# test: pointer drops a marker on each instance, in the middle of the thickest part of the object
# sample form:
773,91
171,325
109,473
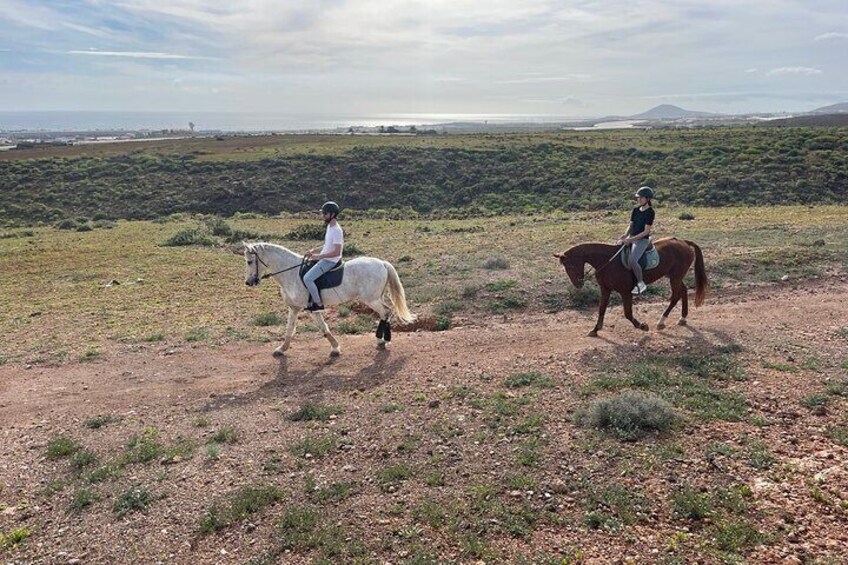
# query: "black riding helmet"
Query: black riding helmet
645,192
330,208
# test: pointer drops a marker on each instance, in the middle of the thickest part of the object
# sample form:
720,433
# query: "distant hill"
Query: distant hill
811,120
841,108
669,112
449,175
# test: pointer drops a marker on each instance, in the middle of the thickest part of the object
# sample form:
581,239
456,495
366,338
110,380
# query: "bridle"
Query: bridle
269,275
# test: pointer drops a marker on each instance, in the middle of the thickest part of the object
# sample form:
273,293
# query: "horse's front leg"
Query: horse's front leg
602,309
325,329
627,300
291,325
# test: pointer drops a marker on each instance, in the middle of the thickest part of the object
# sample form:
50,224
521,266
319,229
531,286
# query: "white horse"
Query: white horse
366,280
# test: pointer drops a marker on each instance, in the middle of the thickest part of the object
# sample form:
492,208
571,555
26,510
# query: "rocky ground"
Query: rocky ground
457,446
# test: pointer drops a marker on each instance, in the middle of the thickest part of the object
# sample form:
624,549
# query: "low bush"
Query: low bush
630,415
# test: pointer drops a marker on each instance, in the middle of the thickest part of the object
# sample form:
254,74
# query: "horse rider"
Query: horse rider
330,254
638,234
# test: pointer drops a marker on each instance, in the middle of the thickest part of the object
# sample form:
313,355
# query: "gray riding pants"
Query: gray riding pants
321,267
637,249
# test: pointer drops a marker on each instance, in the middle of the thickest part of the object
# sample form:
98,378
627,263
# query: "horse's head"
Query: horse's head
252,265
573,267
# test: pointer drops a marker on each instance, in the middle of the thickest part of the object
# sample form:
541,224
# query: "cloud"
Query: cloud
794,71
750,70
533,80
134,54
831,35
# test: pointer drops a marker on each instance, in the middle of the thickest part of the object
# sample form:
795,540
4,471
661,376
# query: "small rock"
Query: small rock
433,403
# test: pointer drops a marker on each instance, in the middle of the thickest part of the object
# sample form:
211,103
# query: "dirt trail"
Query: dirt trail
242,384
167,376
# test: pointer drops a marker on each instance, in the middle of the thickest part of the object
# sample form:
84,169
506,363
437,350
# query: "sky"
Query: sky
397,57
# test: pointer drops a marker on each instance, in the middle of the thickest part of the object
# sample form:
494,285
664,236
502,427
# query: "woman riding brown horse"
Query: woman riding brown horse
676,256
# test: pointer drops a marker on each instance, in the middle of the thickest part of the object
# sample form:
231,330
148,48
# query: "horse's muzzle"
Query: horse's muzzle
252,282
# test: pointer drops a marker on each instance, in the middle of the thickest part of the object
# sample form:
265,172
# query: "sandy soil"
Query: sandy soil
799,502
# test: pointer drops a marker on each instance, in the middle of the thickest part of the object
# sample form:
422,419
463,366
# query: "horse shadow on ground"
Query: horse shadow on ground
311,384
684,340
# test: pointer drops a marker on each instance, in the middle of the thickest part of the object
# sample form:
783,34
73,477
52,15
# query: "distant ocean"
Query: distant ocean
224,121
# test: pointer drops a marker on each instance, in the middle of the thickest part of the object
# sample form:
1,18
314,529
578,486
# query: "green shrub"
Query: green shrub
67,224
314,446
442,324
735,535
13,538
691,504
495,264
239,506
227,434
393,474
62,446
134,499
189,237
528,379
83,498
309,412
501,285
353,250
218,226
97,422
686,216
307,232
630,415
267,319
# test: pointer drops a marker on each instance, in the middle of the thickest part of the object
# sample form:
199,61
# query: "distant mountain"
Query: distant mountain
830,120
670,112
841,108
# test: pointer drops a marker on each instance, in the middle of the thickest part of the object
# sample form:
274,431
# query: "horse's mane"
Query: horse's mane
590,247
270,246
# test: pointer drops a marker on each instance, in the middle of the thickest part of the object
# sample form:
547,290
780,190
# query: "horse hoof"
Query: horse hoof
335,353
682,322
660,326
381,346
643,327
593,333
278,353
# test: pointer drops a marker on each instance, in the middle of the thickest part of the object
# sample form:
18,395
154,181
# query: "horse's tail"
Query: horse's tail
398,297
701,282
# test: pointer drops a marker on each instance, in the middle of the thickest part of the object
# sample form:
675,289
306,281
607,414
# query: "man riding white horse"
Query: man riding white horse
329,256
366,280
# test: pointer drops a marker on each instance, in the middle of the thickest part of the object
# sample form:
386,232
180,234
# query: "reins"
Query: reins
602,267
269,275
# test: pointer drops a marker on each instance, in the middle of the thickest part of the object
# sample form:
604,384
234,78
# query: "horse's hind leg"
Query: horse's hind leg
325,329
684,294
675,296
384,329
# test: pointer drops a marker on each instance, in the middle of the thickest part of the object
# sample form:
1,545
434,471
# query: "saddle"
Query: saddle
330,279
650,259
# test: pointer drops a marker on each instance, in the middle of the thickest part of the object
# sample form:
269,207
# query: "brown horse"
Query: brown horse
676,256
